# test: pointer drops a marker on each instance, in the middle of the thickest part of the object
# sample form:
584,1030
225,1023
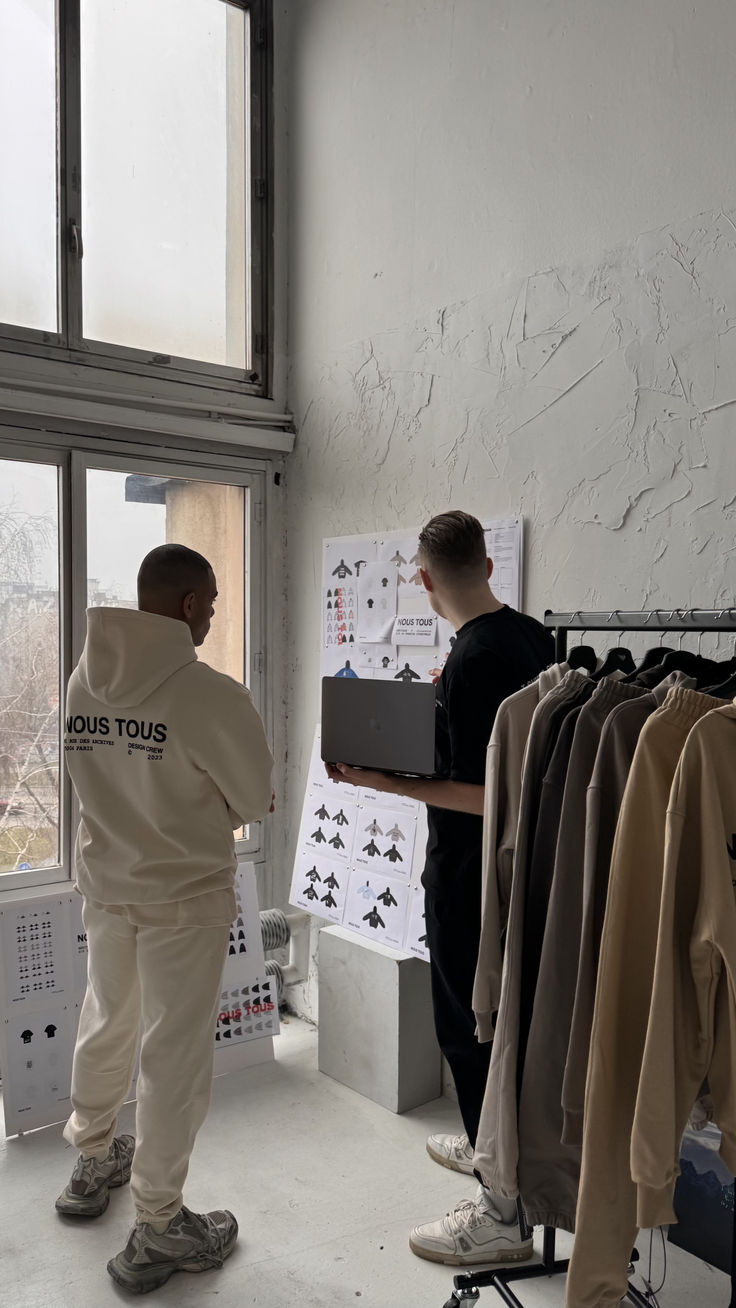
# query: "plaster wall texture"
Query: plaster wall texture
477,320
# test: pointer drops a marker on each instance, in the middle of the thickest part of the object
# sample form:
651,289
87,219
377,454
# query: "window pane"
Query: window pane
208,517
163,161
124,507
28,163
29,666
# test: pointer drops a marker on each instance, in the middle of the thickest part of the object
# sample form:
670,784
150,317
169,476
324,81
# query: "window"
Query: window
30,640
73,531
138,135
210,517
28,247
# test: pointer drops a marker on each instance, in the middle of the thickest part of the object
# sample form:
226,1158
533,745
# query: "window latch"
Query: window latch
76,247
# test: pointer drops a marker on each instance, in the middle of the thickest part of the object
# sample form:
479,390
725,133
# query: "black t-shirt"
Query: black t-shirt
494,655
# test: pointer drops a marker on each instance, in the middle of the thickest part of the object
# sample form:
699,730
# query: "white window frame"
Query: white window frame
221,384
74,455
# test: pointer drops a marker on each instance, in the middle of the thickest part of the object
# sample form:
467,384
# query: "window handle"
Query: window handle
76,246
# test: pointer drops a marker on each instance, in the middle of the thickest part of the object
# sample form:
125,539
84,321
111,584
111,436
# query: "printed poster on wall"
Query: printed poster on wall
376,603
414,647
376,907
374,862
364,578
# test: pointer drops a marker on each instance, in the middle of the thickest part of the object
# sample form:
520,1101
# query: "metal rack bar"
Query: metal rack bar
637,620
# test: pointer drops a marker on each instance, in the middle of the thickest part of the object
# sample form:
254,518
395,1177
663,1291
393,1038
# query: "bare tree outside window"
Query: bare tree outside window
29,671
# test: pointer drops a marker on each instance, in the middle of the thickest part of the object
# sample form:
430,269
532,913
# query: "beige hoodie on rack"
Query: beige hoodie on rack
167,756
691,1032
504,766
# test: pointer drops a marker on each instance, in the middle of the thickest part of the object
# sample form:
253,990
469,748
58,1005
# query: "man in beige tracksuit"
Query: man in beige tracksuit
167,757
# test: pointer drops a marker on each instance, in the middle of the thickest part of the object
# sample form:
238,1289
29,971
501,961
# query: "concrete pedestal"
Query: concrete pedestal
376,1029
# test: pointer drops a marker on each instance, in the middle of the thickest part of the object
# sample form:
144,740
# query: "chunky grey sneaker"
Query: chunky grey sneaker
469,1236
192,1242
452,1151
88,1192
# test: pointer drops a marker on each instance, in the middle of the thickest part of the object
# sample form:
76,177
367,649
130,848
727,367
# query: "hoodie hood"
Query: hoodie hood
128,654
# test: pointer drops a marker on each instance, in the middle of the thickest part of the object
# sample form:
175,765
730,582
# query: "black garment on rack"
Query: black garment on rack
727,689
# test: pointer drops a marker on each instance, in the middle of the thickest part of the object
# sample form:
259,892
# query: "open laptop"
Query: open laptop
387,725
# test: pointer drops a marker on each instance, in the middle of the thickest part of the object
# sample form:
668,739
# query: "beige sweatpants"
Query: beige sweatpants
165,981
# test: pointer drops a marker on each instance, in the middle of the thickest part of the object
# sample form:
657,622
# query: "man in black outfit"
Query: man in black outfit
496,651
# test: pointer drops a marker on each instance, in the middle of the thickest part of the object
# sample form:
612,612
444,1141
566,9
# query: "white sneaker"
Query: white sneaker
469,1236
452,1151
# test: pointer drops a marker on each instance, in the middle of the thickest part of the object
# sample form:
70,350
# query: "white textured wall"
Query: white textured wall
513,290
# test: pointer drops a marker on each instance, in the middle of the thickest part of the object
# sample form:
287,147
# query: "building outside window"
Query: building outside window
72,534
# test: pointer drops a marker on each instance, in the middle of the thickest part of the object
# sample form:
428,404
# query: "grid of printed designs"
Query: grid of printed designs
354,864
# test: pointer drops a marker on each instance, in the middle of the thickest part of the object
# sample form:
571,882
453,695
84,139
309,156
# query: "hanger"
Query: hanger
725,689
706,672
653,657
582,656
618,658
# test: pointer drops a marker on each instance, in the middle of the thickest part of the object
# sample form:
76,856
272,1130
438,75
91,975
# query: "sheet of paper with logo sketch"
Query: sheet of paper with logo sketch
324,846
401,551
249,1000
247,1012
376,907
379,660
328,824
344,661
376,603
35,950
37,1065
415,629
415,940
320,885
343,560
245,958
384,841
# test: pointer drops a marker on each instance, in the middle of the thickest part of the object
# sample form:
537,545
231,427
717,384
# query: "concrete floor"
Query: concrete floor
325,1185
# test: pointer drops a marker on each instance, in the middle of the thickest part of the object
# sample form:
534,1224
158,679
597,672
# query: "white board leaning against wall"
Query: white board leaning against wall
360,854
43,976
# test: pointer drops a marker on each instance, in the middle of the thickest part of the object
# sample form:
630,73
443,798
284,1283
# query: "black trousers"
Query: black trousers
453,936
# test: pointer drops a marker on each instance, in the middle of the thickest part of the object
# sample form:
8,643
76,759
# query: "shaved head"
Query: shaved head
174,569
177,582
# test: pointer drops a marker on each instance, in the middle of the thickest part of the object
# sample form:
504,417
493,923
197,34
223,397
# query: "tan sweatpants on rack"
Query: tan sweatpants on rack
165,981
607,1201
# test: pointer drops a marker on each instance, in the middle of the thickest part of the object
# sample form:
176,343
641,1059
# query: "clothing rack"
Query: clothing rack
467,1287
683,620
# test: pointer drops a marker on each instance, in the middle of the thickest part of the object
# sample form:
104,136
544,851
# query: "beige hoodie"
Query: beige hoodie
691,1033
166,755
504,762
